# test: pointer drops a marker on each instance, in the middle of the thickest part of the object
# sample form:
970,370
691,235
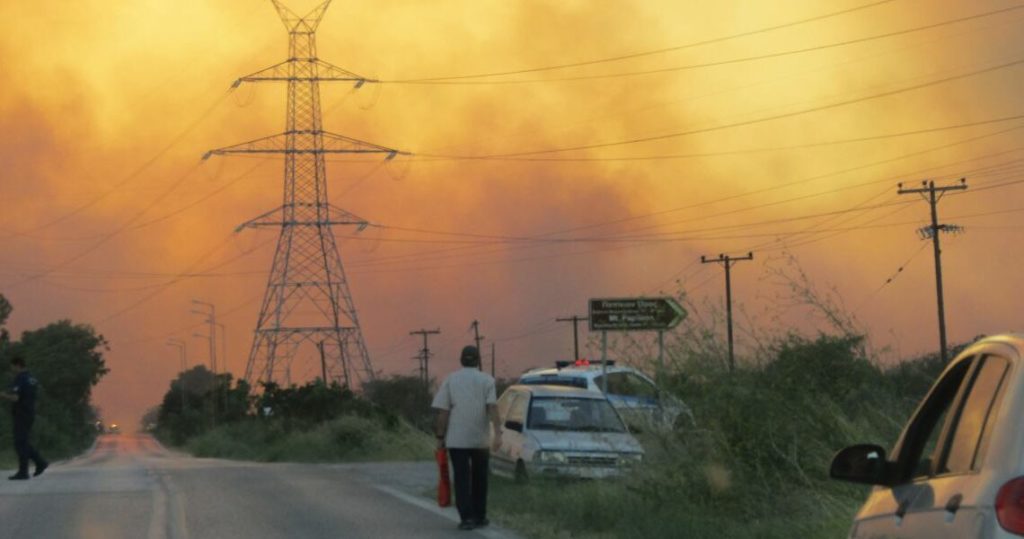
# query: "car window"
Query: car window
914,453
967,432
517,410
639,387
574,414
923,467
618,384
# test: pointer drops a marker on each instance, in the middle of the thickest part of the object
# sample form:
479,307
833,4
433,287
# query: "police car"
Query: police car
633,394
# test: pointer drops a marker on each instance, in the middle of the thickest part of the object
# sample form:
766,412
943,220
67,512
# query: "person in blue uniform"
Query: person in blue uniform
23,408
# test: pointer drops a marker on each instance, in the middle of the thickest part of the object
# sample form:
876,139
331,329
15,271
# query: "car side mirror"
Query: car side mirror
862,463
514,425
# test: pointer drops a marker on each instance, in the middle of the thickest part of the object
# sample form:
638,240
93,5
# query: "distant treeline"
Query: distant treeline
212,415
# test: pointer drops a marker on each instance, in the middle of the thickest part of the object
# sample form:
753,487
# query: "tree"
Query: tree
197,400
67,359
5,311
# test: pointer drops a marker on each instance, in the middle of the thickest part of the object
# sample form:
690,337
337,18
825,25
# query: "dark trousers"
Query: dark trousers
25,451
470,469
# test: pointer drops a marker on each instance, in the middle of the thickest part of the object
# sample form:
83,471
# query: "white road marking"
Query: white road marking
449,513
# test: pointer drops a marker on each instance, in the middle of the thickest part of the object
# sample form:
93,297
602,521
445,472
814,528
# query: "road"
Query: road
129,486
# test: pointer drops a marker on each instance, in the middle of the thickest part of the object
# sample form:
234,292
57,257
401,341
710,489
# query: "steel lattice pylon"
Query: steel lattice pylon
307,302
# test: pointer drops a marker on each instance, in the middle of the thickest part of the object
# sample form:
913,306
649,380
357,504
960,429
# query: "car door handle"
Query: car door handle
954,503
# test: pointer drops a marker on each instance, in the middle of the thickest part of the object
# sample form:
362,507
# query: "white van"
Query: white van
957,470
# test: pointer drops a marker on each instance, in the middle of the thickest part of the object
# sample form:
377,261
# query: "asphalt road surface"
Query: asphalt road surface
130,486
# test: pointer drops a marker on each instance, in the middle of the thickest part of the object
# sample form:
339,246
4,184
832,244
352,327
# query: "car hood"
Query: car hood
554,440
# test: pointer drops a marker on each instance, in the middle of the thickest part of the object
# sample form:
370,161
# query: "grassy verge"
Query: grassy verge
548,509
347,438
755,464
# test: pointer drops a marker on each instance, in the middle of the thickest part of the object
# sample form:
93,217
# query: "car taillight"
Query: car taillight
1010,506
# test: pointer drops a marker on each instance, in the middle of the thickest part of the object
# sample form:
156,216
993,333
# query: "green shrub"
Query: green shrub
755,464
344,438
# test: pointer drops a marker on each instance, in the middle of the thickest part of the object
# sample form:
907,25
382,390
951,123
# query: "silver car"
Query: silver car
957,470
551,431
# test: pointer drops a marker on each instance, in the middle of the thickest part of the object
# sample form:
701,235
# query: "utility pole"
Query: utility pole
477,338
323,363
424,356
575,333
183,351
223,334
307,297
211,319
932,195
727,262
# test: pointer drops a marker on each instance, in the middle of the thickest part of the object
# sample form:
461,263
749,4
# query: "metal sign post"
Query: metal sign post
604,362
661,353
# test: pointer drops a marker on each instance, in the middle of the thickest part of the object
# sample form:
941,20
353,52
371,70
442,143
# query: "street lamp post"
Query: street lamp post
183,350
211,319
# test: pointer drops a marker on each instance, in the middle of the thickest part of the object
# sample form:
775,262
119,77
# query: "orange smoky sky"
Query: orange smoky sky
766,134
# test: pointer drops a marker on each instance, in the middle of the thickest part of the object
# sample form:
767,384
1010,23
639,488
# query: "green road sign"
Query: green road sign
635,314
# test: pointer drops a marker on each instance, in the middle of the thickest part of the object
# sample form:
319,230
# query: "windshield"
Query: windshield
573,414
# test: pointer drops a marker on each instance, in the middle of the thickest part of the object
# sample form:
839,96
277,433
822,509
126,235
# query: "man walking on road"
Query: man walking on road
465,402
23,396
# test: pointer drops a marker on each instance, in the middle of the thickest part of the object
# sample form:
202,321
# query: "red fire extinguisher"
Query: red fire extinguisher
444,485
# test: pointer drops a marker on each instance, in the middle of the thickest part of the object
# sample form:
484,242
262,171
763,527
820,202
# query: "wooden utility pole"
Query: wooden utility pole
575,333
477,338
727,262
425,353
932,195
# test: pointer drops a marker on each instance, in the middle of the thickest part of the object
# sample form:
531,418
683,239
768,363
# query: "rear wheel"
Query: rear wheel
520,475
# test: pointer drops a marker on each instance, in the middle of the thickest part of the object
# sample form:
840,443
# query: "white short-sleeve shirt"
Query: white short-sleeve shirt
465,394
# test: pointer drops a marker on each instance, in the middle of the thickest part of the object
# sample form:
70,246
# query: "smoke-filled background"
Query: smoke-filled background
725,127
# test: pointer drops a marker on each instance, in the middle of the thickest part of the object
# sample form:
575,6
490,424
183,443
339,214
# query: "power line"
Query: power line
724,153
131,175
892,277
455,251
460,81
744,123
170,215
859,208
110,235
652,52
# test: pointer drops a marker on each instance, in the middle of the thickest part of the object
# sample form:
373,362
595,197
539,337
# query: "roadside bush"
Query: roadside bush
755,464
405,396
345,438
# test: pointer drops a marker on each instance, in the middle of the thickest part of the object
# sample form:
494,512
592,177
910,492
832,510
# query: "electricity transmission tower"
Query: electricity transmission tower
307,300
933,194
